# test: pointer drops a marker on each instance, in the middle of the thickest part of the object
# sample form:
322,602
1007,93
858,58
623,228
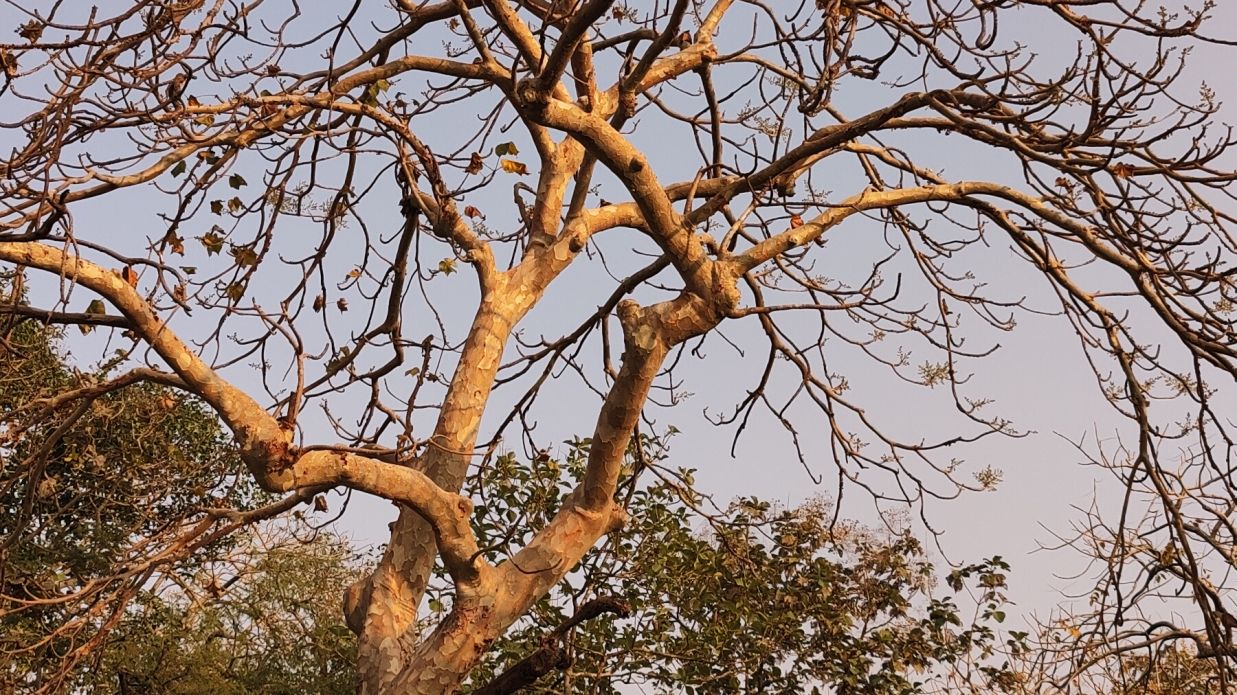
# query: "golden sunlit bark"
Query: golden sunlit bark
160,99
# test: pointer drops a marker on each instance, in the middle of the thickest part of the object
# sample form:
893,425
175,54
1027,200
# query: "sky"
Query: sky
1037,376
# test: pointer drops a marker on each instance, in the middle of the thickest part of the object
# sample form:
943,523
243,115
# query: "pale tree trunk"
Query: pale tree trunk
383,607
495,597
433,521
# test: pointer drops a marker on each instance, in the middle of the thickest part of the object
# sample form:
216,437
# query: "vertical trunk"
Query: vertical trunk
382,609
483,612
386,603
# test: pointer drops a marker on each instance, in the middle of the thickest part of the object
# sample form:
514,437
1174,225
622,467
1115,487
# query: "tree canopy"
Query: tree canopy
387,245
100,496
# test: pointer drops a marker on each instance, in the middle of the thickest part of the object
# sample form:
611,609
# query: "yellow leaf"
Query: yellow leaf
212,241
513,167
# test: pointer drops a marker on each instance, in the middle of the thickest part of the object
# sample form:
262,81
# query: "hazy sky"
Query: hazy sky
1038,377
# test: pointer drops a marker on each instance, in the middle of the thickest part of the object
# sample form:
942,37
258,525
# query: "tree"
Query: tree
101,495
272,625
768,600
301,191
250,608
858,612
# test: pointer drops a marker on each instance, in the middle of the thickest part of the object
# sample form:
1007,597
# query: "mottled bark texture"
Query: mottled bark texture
199,103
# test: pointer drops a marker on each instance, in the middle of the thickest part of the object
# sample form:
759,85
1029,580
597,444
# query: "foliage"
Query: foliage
1172,671
98,498
759,599
271,624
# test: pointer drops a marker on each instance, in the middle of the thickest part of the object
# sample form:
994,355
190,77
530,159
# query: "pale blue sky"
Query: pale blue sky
1038,376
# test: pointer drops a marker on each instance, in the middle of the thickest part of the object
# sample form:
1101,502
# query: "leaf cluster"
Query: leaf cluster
752,598
96,494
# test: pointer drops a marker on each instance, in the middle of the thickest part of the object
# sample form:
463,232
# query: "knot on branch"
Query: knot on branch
785,185
627,103
529,94
269,455
639,332
464,506
618,519
957,98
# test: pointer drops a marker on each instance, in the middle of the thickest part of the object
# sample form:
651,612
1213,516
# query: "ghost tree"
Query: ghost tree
265,203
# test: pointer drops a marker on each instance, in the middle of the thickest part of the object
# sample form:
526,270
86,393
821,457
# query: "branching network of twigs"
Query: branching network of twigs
277,204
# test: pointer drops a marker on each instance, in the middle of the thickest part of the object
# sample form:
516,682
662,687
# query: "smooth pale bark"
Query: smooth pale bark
434,520
486,608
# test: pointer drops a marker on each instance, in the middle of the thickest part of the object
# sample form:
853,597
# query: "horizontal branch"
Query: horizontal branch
447,513
264,444
820,141
69,317
871,199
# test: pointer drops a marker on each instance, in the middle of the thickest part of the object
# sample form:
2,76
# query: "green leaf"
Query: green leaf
505,149
370,96
179,168
236,181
